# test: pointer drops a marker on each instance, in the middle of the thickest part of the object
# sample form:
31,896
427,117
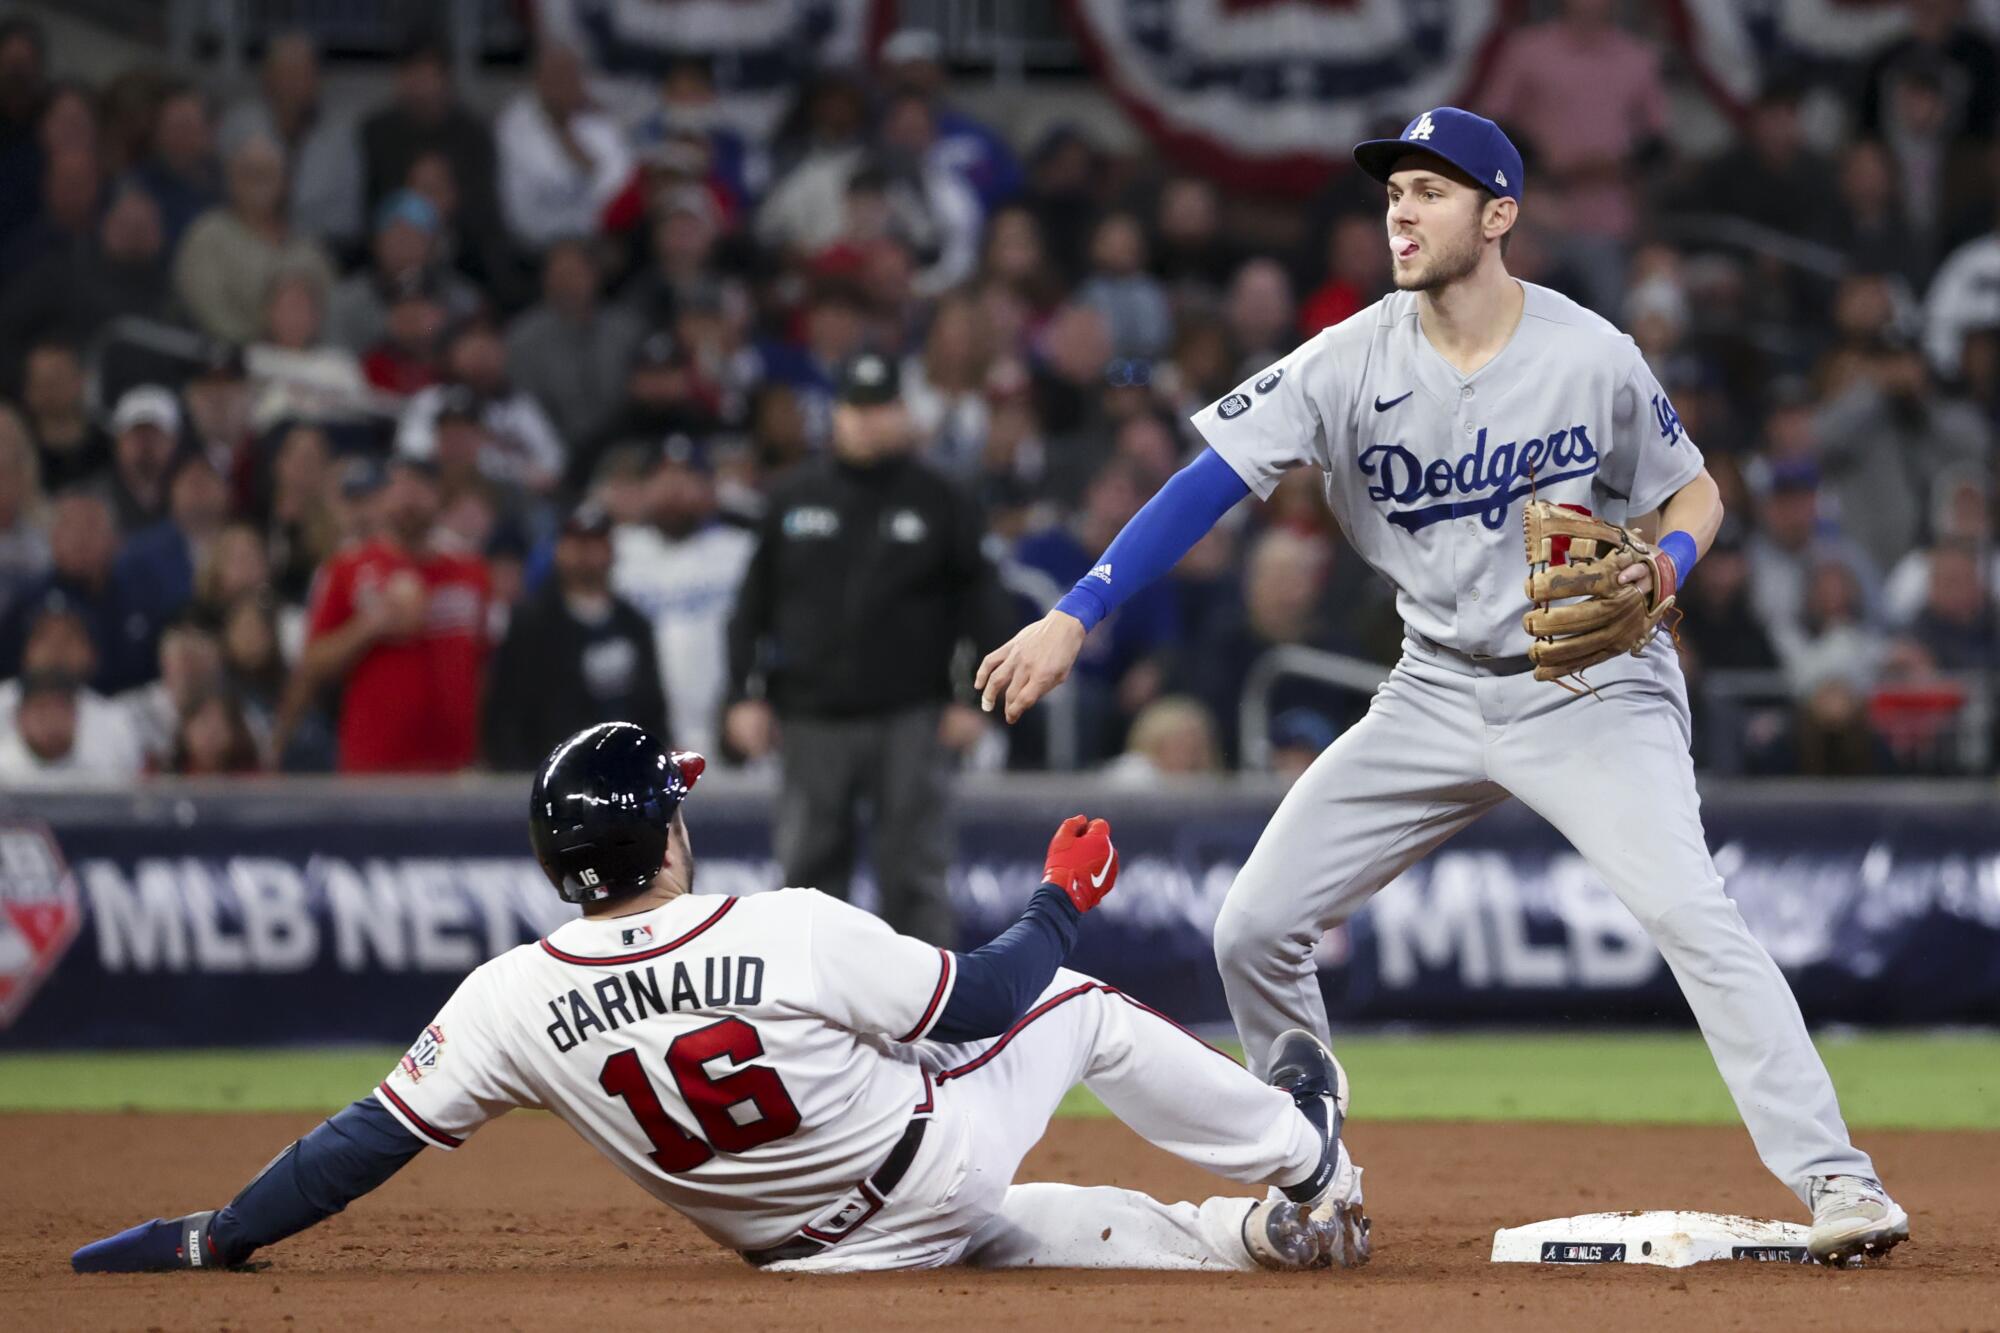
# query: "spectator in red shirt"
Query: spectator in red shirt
1354,273
401,627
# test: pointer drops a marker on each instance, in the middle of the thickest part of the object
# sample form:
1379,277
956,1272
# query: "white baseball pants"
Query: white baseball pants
959,1202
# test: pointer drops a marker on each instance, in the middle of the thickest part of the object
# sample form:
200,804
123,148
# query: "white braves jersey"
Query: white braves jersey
687,588
742,1059
1425,467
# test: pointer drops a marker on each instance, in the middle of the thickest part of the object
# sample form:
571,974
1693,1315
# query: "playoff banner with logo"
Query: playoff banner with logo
274,917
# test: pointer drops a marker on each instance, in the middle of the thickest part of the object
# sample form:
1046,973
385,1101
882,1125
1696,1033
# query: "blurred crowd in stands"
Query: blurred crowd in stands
325,427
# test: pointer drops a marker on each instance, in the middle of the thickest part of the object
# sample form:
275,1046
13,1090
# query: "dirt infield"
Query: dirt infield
526,1228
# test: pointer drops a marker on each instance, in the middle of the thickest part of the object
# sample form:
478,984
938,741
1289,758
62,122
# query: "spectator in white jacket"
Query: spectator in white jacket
682,569
561,160
78,731
44,742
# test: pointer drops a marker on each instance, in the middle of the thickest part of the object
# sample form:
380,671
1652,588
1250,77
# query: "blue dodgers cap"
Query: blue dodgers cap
1473,144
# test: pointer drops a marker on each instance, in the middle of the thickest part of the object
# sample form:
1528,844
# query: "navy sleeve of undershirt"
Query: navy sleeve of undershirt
1191,503
348,1155
999,980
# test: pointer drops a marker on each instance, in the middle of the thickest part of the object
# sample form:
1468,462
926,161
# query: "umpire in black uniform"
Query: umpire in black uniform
867,577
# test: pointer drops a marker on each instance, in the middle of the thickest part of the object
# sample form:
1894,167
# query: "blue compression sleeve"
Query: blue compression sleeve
1157,537
347,1156
999,980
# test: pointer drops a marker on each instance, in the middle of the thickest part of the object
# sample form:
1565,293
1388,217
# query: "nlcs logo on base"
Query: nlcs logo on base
40,912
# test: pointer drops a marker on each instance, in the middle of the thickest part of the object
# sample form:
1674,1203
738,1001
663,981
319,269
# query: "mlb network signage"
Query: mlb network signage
270,917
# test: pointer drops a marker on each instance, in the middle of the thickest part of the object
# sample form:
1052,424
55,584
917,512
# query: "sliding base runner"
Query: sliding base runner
811,1089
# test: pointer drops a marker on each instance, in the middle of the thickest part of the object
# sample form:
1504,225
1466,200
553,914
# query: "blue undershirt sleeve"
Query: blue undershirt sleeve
347,1156
998,981
1157,537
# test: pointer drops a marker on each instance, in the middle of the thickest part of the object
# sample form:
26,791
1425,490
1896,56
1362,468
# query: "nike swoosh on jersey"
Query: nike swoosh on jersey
1381,406
1097,880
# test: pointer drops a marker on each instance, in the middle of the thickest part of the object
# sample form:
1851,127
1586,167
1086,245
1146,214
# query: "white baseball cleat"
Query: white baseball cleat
1853,1218
1282,1234
1340,1208
1302,1064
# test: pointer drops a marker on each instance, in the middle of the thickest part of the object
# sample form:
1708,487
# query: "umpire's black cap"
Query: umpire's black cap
601,807
869,379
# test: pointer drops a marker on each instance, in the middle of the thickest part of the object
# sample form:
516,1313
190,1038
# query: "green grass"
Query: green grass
204,1080
1901,1081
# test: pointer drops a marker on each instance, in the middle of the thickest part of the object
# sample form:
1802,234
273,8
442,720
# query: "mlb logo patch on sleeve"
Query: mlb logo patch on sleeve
1235,405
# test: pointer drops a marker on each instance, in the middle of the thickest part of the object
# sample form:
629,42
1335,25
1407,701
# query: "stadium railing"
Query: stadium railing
232,30
1335,670
1941,726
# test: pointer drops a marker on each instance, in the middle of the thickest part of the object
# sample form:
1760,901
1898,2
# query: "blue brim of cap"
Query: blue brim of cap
1378,157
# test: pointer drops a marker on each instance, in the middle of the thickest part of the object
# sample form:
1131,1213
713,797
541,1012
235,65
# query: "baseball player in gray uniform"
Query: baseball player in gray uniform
1434,416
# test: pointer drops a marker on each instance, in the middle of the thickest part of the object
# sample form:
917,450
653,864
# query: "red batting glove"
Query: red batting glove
1082,861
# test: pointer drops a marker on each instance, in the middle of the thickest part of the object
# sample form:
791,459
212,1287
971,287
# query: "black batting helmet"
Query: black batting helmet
601,808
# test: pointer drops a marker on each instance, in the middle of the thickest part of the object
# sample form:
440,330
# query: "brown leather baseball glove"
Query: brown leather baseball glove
1575,559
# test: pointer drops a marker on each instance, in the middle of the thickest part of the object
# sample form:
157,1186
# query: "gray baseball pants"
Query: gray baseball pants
1445,741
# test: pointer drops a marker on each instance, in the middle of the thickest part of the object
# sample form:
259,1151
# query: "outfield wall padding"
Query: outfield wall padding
206,914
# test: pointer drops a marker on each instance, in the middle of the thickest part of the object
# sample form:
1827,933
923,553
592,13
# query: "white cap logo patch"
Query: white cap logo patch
1423,129
1500,179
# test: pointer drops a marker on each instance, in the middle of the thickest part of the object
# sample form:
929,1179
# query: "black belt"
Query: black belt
835,1224
1481,663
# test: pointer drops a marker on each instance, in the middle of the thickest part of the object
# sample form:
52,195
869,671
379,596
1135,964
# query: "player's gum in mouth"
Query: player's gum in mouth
1402,246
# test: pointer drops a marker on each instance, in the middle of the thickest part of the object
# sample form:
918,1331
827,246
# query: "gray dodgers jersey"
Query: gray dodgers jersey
1427,469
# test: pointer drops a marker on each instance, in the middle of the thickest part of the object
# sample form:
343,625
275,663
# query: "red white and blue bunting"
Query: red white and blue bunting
760,51
1270,95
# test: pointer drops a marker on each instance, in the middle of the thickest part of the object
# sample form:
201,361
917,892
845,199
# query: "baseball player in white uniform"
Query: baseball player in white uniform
810,1088
1433,416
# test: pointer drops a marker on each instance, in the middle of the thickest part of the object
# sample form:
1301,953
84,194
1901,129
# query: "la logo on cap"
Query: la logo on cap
1423,129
